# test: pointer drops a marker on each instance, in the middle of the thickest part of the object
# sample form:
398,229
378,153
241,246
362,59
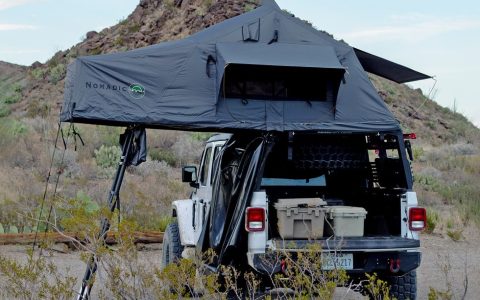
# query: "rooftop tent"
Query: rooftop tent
262,70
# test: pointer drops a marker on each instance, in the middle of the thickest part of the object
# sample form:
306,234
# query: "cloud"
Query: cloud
6,4
10,27
412,28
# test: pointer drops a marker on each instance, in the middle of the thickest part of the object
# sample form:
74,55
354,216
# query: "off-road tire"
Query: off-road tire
404,287
172,247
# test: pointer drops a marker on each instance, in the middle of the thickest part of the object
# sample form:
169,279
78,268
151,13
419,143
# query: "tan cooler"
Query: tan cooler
300,218
346,221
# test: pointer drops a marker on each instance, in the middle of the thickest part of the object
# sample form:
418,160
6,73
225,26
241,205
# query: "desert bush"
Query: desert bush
429,172
107,156
28,280
201,136
17,128
418,153
163,222
377,288
57,73
447,290
455,234
125,276
432,220
39,73
37,108
4,110
434,294
249,6
163,155
12,94
119,41
12,98
187,149
463,149
151,168
134,28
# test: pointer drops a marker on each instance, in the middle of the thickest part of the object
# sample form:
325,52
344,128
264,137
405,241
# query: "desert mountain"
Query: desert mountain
30,99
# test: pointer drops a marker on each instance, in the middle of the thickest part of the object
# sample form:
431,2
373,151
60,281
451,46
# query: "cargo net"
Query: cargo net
330,157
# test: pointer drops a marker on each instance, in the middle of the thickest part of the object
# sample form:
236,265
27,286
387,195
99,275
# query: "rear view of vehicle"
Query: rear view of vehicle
350,194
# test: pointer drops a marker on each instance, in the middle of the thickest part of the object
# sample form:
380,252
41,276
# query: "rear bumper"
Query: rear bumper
351,244
393,255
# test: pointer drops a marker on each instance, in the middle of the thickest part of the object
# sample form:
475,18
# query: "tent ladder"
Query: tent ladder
113,203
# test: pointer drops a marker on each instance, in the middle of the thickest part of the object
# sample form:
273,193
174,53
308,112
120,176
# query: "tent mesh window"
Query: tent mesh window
280,83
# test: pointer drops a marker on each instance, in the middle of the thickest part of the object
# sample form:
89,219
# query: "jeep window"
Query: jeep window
215,153
205,166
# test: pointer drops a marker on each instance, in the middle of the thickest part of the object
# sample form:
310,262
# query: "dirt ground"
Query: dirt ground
462,257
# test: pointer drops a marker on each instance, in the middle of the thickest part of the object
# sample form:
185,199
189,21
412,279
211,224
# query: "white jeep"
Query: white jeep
241,178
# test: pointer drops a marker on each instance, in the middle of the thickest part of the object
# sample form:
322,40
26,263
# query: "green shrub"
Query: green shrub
201,136
450,223
39,73
95,51
434,294
163,223
13,98
377,288
164,155
17,128
248,7
133,28
432,220
107,156
26,280
11,94
123,21
11,130
4,110
57,73
455,234
38,109
108,135
418,152
119,41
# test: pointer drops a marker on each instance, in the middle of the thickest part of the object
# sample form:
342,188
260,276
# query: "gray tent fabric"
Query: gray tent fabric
138,151
387,69
185,84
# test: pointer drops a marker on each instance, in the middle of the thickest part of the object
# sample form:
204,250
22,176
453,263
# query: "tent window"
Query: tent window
280,83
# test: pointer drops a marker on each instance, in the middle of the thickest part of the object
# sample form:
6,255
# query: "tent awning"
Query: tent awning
387,69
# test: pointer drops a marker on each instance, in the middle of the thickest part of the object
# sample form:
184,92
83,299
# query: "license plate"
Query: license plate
331,261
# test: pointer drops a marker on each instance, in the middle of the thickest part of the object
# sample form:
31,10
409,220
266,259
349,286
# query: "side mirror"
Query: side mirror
189,174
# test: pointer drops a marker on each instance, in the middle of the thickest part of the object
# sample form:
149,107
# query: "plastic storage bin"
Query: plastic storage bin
346,221
300,218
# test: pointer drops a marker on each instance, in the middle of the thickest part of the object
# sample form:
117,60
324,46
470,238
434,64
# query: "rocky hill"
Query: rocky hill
30,104
12,81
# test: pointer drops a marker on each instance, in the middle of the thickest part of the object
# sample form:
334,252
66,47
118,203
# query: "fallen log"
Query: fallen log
143,237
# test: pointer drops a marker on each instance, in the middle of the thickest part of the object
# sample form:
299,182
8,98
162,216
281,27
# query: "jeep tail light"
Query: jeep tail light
417,218
255,219
410,136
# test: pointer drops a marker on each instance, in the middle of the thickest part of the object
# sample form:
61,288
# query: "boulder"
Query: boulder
91,34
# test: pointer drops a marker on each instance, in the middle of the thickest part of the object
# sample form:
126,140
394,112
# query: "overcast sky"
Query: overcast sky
440,38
